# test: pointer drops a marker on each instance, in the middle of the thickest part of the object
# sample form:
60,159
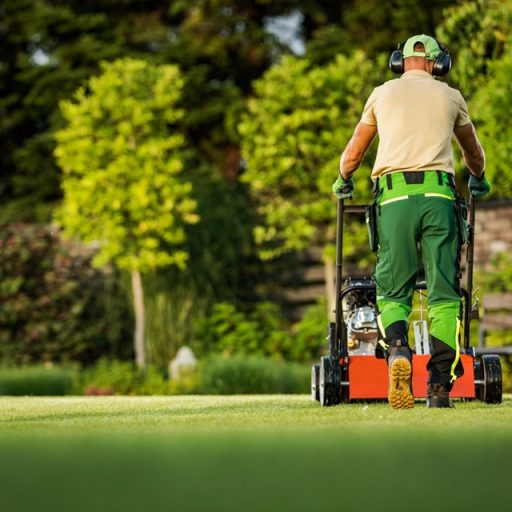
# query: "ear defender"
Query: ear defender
396,60
442,64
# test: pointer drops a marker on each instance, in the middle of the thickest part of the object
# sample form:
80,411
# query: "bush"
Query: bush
228,331
119,378
124,378
217,375
54,306
310,333
37,381
251,375
261,332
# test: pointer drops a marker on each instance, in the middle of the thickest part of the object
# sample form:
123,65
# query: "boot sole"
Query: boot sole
400,395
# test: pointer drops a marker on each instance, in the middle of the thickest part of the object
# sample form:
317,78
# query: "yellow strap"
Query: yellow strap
457,352
435,194
400,198
381,325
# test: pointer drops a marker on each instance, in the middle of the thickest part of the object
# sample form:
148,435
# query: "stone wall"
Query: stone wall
493,231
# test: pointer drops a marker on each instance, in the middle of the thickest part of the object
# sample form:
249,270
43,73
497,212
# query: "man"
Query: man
416,117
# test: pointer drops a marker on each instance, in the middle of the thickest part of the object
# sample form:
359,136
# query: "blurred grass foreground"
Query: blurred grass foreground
253,453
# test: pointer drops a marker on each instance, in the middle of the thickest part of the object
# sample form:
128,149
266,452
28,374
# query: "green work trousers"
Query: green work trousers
413,218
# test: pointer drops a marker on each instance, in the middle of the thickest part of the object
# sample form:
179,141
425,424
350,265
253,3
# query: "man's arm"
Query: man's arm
472,151
354,153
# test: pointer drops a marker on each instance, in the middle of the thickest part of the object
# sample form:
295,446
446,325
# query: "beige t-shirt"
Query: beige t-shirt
415,116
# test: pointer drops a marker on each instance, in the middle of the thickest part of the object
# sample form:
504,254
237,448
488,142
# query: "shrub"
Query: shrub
54,306
310,333
251,375
111,377
262,332
37,381
125,378
228,331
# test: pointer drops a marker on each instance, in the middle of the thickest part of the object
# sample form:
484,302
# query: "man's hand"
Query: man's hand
478,187
343,189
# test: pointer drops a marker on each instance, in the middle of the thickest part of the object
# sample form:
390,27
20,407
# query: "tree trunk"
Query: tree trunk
330,289
138,306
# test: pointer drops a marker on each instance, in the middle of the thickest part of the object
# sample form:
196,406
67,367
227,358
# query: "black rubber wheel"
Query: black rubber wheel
330,382
479,387
488,372
315,382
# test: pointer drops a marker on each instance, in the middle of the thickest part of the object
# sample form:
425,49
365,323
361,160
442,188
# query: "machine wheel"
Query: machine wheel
330,382
488,373
315,382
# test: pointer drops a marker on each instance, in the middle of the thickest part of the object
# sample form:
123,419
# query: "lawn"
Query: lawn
250,453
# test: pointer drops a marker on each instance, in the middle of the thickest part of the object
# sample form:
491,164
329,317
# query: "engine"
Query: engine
361,318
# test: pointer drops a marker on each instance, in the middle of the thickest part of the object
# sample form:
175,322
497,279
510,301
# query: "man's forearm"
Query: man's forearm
349,164
475,161
354,153
472,152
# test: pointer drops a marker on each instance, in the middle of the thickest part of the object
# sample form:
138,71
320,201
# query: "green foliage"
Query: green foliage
476,33
262,332
122,155
378,25
113,377
490,109
36,381
227,330
110,377
54,306
241,374
310,333
219,248
238,374
292,137
48,49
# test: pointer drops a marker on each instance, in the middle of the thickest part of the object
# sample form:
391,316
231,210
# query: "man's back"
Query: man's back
415,116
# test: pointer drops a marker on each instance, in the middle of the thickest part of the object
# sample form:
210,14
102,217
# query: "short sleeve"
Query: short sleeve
463,114
369,116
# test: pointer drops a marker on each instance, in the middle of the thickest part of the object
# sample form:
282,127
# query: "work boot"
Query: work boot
438,396
400,376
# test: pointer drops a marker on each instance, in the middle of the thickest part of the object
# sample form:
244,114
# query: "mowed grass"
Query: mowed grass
251,453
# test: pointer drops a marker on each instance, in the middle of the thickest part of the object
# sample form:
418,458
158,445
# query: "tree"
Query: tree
476,33
122,155
292,135
48,50
374,26
51,47
490,109
479,36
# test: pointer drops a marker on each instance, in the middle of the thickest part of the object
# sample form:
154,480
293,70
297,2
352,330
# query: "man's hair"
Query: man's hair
419,47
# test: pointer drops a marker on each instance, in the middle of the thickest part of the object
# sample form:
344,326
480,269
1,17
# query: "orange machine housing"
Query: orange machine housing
368,377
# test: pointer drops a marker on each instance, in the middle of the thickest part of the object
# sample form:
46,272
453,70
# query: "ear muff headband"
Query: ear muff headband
442,64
